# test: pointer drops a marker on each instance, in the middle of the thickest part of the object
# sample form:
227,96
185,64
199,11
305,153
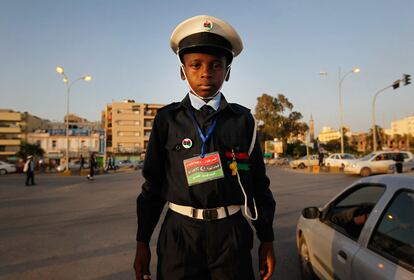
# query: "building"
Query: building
14,130
360,141
403,126
53,142
328,134
127,126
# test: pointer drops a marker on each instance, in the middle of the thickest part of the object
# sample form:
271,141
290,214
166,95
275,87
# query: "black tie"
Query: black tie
206,110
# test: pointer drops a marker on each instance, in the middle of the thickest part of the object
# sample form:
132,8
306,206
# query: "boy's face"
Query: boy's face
205,72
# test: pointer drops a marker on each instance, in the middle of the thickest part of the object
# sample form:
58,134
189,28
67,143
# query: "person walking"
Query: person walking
82,162
29,167
204,161
92,165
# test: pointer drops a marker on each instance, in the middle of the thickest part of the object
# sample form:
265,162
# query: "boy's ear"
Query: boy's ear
228,75
182,74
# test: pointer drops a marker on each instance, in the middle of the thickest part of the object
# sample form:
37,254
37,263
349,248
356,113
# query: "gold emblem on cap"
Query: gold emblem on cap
208,25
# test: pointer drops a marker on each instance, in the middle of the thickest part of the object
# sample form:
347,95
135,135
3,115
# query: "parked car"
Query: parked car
375,163
6,167
408,166
339,160
334,242
303,162
72,166
130,164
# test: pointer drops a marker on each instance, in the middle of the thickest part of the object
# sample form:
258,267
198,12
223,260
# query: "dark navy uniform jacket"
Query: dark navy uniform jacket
164,173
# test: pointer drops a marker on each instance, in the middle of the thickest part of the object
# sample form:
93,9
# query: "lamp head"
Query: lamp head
87,78
60,70
356,70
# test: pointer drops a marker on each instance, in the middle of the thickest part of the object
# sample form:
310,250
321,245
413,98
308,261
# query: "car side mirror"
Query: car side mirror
311,213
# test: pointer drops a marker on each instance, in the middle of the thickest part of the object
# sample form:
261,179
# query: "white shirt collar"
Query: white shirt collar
197,102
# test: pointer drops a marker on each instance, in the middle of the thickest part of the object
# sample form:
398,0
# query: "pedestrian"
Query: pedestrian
92,165
399,160
204,161
320,159
82,162
29,167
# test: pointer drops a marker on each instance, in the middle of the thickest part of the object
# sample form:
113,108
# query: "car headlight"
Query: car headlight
353,165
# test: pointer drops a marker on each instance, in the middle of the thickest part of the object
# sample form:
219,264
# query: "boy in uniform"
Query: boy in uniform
204,161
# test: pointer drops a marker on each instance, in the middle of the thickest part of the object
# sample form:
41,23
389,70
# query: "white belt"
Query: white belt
204,214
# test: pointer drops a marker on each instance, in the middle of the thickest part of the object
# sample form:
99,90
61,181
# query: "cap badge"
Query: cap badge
187,143
208,25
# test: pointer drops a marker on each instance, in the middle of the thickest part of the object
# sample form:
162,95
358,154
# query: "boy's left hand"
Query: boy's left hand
266,260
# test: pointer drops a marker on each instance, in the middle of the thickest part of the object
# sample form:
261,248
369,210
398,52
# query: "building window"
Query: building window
53,143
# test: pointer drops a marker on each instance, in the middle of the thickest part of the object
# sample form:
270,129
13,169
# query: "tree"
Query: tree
27,149
277,118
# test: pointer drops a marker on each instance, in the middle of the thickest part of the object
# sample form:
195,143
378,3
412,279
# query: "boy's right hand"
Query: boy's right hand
142,261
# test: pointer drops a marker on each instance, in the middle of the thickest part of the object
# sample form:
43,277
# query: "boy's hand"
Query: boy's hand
266,260
142,261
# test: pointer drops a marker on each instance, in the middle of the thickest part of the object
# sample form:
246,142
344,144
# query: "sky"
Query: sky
124,46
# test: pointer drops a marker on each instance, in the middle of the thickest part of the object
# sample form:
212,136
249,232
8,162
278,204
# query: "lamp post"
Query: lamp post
69,85
341,117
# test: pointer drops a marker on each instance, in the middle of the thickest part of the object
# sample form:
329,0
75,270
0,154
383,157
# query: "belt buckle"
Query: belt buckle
210,214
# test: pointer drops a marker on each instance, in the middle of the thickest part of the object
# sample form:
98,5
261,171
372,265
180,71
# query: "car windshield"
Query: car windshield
346,156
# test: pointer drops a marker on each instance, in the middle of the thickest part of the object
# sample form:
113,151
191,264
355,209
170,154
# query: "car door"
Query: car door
380,163
333,244
390,250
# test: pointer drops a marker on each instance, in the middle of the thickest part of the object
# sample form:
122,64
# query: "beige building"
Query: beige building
127,126
54,143
14,129
328,134
403,126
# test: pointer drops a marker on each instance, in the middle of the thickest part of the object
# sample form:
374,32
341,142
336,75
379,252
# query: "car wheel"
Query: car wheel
365,172
304,261
301,165
3,171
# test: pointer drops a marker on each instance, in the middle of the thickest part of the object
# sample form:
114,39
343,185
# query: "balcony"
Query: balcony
10,142
10,130
10,116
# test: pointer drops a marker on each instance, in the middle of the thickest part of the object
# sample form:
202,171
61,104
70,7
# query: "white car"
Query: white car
339,160
6,167
304,162
72,166
365,232
375,163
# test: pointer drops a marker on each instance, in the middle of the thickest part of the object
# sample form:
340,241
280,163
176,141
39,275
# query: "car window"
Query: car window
348,213
393,237
348,157
390,156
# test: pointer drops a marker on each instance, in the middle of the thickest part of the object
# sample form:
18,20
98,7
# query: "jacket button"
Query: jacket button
178,147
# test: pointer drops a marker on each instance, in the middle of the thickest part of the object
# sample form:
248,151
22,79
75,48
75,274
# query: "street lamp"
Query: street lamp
69,85
340,80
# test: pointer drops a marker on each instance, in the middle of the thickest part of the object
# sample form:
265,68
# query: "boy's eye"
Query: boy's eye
217,65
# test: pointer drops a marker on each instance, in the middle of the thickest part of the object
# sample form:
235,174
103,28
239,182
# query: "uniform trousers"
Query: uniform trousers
204,250
30,178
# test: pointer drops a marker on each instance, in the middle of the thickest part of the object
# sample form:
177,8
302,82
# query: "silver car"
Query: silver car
6,167
375,163
304,162
365,232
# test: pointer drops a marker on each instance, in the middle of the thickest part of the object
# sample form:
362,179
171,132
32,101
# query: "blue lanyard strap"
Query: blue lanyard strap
204,138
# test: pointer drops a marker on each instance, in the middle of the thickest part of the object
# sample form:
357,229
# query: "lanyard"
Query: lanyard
204,138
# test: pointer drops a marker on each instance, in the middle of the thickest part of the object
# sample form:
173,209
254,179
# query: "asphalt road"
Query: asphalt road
71,228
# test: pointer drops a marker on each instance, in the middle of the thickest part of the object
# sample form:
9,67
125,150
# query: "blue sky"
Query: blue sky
124,45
